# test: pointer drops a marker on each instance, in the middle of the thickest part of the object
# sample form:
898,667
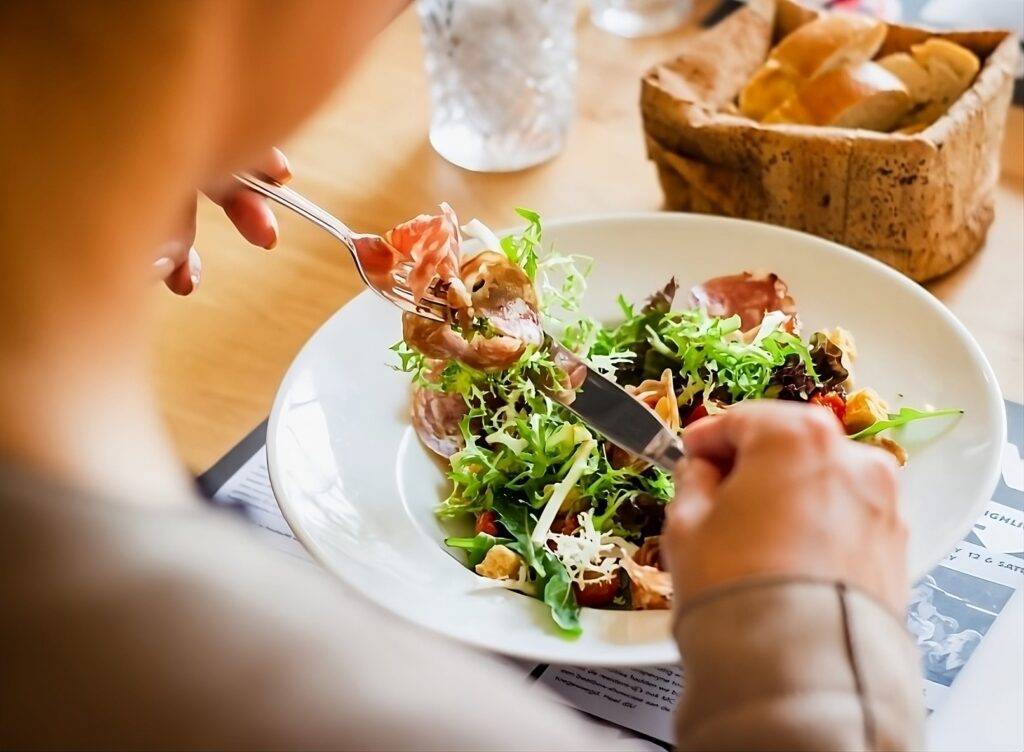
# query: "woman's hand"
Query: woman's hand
177,262
776,489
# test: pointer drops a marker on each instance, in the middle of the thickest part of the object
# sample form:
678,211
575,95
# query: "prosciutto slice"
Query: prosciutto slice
430,241
747,295
650,587
494,329
436,416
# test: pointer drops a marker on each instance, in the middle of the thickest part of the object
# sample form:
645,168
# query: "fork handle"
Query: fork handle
302,206
365,249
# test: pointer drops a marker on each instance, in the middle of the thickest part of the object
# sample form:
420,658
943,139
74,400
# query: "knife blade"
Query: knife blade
614,413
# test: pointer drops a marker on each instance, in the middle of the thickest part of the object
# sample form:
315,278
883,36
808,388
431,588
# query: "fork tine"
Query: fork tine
439,308
427,312
407,295
434,297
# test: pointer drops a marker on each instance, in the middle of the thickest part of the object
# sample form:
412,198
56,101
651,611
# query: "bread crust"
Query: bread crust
864,96
921,203
829,41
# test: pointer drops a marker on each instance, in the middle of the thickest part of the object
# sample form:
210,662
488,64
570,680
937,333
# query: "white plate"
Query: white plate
359,490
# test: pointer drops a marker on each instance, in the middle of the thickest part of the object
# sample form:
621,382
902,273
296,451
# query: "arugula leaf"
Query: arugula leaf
901,418
523,249
476,548
516,519
556,591
552,581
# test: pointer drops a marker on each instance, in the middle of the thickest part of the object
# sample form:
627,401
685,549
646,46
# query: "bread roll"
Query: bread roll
913,75
936,73
769,87
830,41
854,96
936,52
951,69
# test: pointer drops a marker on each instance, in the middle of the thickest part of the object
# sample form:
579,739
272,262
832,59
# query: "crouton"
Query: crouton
500,563
863,408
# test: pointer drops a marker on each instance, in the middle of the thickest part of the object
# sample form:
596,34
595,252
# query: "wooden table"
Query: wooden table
220,354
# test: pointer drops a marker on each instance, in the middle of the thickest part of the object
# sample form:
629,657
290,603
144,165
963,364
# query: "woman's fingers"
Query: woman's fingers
274,164
177,262
249,212
696,483
759,427
184,279
252,216
709,439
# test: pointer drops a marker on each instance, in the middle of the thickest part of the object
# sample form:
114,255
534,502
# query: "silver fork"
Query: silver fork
430,306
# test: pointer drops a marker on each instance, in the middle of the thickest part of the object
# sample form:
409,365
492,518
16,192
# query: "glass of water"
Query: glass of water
638,18
502,79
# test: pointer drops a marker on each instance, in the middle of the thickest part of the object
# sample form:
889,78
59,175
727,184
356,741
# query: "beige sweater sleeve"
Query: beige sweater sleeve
796,665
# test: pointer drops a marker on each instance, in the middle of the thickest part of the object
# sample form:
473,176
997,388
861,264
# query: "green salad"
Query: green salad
559,513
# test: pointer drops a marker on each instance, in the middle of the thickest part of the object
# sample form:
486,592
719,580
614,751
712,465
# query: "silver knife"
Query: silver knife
614,413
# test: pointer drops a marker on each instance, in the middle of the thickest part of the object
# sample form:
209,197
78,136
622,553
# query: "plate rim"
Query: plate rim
664,651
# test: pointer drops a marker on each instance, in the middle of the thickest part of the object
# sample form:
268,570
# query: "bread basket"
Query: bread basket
921,203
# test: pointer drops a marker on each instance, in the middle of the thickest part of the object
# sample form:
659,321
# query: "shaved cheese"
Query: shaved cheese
587,554
561,490
477,230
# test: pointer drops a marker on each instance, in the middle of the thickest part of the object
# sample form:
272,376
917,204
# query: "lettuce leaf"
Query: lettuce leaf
524,249
552,581
516,519
476,548
556,591
901,418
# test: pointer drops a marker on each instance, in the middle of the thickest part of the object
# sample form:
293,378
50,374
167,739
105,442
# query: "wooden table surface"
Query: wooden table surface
220,354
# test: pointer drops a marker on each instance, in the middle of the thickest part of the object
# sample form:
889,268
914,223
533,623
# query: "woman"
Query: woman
135,617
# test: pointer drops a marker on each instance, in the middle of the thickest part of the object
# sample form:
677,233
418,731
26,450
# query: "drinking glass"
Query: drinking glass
502,79
638,18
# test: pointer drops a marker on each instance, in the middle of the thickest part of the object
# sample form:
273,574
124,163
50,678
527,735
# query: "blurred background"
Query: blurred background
368,158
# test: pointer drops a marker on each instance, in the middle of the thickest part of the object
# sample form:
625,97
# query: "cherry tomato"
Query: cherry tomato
565,525
487,523
700,411
833,401
598,593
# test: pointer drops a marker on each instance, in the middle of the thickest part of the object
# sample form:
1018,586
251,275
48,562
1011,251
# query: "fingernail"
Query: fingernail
195,266
276,229
286,164
163,266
